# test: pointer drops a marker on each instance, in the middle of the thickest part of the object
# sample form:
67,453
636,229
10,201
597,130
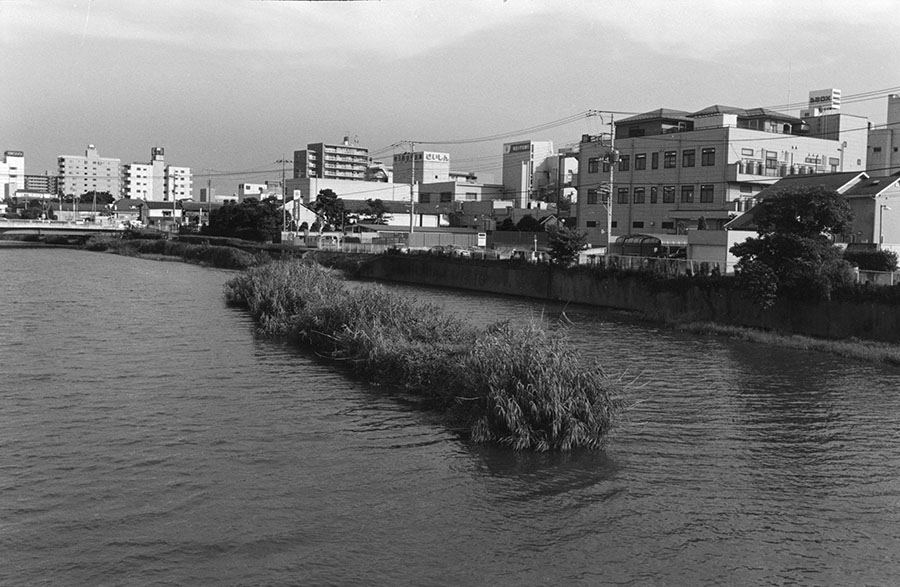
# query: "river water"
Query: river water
149,437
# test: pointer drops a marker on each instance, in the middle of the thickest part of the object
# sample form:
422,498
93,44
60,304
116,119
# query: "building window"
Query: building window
708,156
669,194
593,165
688,157
625,163
687,194
747,152
591,224
667,225
623,196
654,194
592,196
654,160
640,161
615,223
706,193
639,195
446,197
637,224
425,198
669,159
606,167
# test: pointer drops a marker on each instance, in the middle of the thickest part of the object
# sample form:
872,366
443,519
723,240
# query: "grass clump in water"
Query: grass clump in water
522,387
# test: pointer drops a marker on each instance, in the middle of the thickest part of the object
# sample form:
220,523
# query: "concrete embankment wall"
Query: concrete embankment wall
865,320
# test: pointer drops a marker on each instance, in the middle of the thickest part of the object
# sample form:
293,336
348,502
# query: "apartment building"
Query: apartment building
91,173
675,168
12,173
155,181
345,161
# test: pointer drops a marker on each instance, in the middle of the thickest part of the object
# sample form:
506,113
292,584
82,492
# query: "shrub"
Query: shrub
877,260
526,388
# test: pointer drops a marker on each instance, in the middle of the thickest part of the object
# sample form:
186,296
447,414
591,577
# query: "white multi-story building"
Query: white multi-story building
12,173
155,181
421,167
530,171
676,167
91,173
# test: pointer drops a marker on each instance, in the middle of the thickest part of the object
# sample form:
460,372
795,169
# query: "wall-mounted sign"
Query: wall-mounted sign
520,147
14,153
825,99
422,156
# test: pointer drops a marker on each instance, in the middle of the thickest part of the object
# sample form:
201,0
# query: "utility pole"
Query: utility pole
612,158
283,194
208,199
412,186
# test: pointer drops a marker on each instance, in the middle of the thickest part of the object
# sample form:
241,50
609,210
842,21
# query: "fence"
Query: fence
878,277
659,265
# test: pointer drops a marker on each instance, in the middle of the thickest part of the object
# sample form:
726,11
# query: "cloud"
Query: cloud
333,31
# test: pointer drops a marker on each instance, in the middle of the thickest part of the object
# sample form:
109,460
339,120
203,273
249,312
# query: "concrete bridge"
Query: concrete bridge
62,228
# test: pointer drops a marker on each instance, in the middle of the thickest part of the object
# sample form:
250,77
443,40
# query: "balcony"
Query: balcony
748,170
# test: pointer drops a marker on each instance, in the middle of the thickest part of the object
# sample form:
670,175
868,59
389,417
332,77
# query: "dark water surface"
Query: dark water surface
148,437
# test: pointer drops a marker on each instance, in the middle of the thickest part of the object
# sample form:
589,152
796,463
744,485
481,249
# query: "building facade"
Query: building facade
883,156
677,170
155,181
344,161
421,166
91,173
12,173
530,171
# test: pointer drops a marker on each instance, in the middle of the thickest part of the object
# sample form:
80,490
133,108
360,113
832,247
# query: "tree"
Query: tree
529,224
331,207
98,198
249,220
375,212
794,256
565,243
506,225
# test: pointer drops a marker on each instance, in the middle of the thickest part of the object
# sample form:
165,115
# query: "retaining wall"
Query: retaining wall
835,319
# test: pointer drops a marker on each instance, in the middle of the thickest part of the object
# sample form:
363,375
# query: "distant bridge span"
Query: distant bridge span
56,228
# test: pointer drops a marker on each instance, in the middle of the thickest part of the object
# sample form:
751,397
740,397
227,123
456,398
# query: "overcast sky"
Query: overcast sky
231,85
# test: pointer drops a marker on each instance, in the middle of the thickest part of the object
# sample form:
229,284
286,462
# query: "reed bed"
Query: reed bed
222,257
523,387
863,350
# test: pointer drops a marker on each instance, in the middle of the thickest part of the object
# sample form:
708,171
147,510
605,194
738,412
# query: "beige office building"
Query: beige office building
676,168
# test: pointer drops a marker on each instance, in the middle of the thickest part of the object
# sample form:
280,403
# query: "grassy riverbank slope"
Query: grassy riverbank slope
526,388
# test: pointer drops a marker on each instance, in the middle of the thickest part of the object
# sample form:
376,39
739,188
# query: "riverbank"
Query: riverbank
355,265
